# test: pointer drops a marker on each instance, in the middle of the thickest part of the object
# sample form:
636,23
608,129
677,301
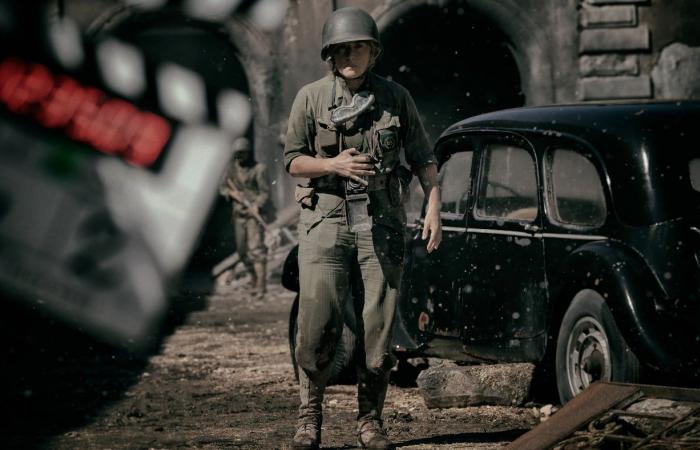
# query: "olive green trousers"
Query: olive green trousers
329,255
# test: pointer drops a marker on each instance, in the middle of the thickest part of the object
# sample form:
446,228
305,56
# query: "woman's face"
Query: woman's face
352,59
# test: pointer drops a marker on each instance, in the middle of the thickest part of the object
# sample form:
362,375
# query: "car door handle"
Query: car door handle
531,227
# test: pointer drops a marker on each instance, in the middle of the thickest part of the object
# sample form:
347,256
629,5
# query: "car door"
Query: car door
505,290
433,308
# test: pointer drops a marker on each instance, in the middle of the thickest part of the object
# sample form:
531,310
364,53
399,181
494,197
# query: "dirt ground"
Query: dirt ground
222,380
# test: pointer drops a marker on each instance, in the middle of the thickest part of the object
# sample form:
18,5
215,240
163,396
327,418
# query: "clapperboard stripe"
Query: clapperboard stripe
144,216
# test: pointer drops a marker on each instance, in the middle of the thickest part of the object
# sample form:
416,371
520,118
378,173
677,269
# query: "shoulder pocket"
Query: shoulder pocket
386,140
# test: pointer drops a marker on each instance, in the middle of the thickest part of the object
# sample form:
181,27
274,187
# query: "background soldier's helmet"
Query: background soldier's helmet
348,25
241,145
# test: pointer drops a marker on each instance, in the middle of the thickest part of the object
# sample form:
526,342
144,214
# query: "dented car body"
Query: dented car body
571,237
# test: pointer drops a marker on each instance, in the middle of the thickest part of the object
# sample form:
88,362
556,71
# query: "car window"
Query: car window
508,187
575,189
455,176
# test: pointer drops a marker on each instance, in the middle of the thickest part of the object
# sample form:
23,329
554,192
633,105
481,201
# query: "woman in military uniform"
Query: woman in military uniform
352,215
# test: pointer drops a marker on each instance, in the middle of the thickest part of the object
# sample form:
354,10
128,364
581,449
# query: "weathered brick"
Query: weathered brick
614,88
617,39
608,65
608,16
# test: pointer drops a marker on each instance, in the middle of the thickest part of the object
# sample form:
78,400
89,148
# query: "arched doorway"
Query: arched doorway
206,49
454,61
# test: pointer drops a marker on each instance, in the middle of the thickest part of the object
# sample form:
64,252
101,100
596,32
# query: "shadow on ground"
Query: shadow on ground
457,438
55,378
464,438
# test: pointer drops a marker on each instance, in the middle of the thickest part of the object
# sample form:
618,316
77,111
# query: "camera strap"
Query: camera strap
357,207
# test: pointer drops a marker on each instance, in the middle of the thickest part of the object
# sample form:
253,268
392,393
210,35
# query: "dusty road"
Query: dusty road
222,380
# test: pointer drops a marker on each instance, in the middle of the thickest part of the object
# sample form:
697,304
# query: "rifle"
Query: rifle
240,198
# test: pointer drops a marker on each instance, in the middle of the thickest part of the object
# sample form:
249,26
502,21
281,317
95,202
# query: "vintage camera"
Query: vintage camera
357,204
354,187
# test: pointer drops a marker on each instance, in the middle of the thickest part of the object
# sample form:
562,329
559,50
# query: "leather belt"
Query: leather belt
377,182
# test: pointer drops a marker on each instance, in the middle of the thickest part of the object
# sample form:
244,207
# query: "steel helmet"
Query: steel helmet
242,145
348,25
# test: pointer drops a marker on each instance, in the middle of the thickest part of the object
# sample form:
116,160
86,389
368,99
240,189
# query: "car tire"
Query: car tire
343,365
591,348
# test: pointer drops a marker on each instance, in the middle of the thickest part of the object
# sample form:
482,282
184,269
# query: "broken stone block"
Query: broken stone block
457,386
676,74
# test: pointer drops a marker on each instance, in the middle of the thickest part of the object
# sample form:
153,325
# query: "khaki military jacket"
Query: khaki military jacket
391,126
253,182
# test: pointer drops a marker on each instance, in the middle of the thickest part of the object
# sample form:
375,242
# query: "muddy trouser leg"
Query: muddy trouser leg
257,252
311,397
380,255
325,255
241,236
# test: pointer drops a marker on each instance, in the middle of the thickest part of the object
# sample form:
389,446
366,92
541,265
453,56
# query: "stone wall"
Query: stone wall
611,41
565,51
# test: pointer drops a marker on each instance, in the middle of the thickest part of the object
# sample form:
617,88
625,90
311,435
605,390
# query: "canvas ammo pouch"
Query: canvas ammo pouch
304,195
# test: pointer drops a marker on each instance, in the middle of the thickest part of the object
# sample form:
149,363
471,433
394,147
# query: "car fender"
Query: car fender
630,289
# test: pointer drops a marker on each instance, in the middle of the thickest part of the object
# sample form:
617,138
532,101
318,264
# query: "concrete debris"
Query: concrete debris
546,411
657,407
447,386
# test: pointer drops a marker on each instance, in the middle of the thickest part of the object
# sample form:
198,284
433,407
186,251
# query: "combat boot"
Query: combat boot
307,436
371,434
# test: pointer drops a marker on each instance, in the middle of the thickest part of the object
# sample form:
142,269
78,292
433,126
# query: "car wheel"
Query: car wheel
591,348
343,366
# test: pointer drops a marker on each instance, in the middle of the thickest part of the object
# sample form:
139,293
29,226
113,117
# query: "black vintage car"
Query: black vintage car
571,238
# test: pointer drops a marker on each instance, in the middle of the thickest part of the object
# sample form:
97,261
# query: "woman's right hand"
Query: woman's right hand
351,164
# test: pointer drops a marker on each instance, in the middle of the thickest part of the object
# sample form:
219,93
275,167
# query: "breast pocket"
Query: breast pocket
326,138
386,141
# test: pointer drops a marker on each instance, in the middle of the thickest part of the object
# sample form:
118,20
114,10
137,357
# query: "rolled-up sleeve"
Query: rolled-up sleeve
299,140
418,150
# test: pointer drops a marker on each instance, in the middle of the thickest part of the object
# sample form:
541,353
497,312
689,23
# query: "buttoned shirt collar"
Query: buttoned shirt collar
339,88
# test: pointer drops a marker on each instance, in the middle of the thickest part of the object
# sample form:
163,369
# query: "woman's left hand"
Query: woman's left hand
432,228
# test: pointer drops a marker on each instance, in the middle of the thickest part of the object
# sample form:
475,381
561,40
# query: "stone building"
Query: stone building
457,57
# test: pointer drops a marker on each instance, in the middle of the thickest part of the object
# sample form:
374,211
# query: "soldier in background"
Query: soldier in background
246,184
